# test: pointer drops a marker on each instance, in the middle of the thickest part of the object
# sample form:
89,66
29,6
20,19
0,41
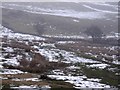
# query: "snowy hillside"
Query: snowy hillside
72,73
96,10
63,19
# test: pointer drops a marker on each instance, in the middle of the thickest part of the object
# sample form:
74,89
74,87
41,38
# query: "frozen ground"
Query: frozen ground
81,72
32,87
10,71
6,32
95,13
80,81
54,54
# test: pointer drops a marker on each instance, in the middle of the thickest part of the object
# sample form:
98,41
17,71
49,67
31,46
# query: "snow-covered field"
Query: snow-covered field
32,87
54,54
97,11
81,71
80,81
27,79
59,11
6,32
10,71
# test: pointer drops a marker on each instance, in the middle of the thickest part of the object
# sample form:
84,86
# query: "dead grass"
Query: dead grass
90,50
52,83
24,75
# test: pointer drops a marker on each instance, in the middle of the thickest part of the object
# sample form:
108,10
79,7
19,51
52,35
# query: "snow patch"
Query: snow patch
79,81
27,79
10,71
98,10
65,42
59,12
100,66
76,20
11,35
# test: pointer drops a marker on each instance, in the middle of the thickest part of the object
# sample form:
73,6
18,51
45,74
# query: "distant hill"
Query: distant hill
59,18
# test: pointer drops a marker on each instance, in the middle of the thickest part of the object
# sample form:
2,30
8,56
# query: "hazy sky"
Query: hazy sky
60,0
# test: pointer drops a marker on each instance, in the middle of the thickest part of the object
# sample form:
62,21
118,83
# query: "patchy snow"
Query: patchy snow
117,62
79,81
45,87
89,84
113,35
66,42
98,10
47,45
32,87
94,79
100,66
4,78
19,57
28,57
67,36
49,54
62,55
10,71
105,4
9,49
73,67
54,55
58,72
75,20
13,61
58,12
1,66
27,79
25,87
11,35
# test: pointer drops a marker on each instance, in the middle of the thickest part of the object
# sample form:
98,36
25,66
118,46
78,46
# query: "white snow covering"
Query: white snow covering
32,87
8,49
113,35
26,79
116,62
58,72
66,36
55,55
13,61
45,87
101,66
1,66
98,10
73,67
75,20
66,42
106,4
47,45
11,35
70,57
79,81
58,12
10,71
25,87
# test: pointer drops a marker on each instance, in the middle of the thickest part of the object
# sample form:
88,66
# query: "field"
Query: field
44,49
42,62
